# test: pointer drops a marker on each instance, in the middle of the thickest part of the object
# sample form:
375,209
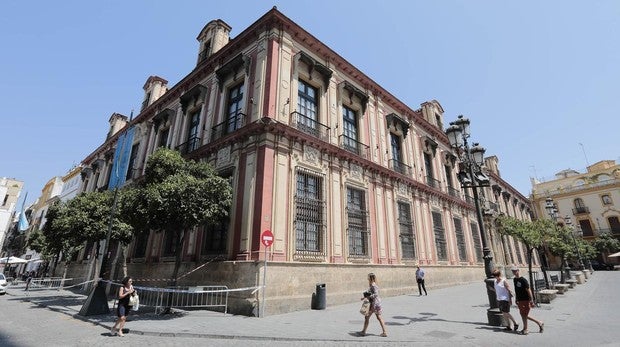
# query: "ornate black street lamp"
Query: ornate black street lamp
569,223
553,214
470,175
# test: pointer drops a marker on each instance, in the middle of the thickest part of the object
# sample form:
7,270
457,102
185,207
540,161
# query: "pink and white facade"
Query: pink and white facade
348,178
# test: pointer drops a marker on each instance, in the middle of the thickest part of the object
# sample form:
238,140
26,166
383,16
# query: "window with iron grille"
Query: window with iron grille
440,236
509,257
405,226
168,246
460,239
475,235
357,220
309,212
215,234
519,257
233,118
140,244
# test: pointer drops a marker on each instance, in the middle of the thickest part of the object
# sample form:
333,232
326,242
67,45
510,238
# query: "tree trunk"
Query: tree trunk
178,246
543,266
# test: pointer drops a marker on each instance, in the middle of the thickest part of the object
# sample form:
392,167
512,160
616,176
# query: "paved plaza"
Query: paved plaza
584,316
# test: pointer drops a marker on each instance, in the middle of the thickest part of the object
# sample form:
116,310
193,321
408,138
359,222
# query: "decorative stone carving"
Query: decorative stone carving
223,157
356,171
311,154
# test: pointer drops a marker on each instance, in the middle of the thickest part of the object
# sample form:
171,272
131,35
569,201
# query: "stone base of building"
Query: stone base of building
290,286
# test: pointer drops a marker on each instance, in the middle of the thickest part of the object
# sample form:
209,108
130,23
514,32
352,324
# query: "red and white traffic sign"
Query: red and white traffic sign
266,238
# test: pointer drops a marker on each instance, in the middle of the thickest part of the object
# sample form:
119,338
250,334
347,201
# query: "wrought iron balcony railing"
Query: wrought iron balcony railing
454,192
400,167
580,210
191,145
228,126
433,182
354,146
310,126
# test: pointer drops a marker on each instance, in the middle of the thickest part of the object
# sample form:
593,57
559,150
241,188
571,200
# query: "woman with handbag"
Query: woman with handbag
372,295
122,308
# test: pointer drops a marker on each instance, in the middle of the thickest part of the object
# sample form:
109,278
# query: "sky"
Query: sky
538,79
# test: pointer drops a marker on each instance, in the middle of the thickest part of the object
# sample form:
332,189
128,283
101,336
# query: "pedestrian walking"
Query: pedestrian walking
419,277
525,300
504,298
29,276
372,295
123,307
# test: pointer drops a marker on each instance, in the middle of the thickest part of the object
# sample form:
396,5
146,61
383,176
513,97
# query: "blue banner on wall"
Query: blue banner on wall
121,159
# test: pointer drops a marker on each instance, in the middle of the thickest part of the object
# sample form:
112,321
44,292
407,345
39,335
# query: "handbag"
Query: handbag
365,309
134,300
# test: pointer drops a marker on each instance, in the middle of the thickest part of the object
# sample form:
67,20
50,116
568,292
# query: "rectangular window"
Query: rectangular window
518,250
405,226
307,108
163,138
234,117
193,141
449,176
440,236
215,235
140,244
132,161
357,220
168,247
475,235
395,143
349,124
428,165
309,213
460,239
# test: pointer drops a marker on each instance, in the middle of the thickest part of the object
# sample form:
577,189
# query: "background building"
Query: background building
347,177
10,190
590,199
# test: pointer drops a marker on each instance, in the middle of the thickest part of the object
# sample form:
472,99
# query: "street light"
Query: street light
553,214
569,223
471,176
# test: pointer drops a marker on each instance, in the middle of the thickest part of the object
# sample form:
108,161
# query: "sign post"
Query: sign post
267,239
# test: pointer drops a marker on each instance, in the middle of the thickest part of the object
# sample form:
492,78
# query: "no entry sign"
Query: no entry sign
266,238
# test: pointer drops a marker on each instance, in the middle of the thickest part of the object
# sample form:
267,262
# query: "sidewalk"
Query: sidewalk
582,316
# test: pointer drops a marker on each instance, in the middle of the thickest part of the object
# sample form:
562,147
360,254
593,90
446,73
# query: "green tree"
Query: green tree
174,196
562,245
83,219
606,243
533,235
37,242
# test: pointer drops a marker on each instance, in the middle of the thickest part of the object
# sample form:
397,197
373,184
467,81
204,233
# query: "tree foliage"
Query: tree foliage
606,243
175,196
37,242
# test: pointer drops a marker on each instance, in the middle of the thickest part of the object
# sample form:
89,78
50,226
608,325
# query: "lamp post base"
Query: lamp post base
495,317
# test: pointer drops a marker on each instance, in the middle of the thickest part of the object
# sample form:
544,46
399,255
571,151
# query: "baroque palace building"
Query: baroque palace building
348,178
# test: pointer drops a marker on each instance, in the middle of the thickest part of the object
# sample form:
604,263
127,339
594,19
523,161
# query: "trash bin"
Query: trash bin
320,299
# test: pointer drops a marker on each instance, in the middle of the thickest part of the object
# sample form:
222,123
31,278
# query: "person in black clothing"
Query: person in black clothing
419,277
122,308
525,300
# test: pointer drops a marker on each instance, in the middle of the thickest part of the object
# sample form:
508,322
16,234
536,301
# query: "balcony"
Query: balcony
353,146
400,167
191,145
432,182
228,126
454,192
310,126
469,200
581,210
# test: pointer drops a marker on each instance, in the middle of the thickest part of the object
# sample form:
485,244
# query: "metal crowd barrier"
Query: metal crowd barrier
180,297
48,283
